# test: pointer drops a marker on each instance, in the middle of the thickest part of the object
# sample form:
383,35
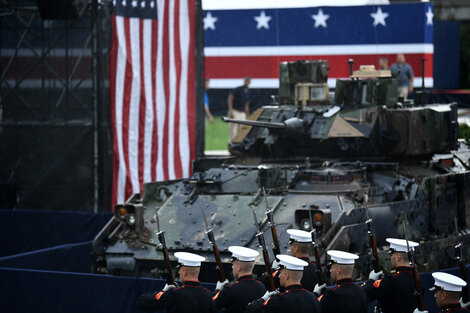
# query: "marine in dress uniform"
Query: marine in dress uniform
346,296
394,293
300,247
191,297
235,297
447,289
295,299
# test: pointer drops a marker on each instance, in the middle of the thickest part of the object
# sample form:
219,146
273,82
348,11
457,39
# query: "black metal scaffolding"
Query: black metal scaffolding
55,141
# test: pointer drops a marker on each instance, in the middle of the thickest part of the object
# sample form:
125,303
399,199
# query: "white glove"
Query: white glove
220,285
275,264
167,287
269,294
374,275
319,289
464,305
418,311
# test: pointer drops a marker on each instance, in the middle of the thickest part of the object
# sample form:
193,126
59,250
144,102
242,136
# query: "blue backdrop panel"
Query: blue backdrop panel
28,230
67,258
446,65
47,291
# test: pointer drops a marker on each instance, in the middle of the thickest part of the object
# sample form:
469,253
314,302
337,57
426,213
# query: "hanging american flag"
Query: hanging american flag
152,86
254,41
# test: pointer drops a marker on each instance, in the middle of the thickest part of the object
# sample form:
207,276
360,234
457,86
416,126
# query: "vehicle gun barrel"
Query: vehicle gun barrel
255,123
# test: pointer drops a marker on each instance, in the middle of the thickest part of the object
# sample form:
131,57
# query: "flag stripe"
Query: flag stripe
191,86
112,90
184,36
134,105
267,67
142,110
148,116
177,54
318,50
161,98
172,85
121,69
154,98
166,83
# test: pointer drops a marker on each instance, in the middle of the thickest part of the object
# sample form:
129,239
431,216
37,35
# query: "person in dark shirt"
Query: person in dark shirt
190,298
404,74
394,293
295,299
235,297
447,289
346,296
239,105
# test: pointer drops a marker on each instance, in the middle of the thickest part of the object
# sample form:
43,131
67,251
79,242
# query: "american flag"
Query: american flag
153,96
254,41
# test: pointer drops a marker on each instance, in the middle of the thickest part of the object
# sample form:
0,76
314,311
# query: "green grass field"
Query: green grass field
216,135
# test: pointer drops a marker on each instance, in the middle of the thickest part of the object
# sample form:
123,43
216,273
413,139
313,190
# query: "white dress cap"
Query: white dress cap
399,245
342,257
291,263
189,259
298,235
243,254
448,282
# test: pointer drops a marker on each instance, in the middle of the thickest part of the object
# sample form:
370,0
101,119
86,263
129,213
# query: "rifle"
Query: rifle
373,245
215,249
262,243
316,250
463,269
161,237
272,225
414,269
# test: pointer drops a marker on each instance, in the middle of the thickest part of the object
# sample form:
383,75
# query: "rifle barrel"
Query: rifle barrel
215,249
262,243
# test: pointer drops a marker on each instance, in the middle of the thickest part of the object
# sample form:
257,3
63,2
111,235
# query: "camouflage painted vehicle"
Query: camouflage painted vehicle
330,164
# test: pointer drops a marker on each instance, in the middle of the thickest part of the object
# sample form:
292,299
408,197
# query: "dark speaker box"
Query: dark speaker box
61,9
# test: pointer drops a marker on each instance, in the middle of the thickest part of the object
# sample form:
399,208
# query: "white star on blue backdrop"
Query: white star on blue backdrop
379,17
262,20
209,21
429,16
320,18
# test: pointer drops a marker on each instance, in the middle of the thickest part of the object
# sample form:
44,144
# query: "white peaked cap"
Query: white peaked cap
342,257
243,254
399,245
189,259
299,235
448,282
291,263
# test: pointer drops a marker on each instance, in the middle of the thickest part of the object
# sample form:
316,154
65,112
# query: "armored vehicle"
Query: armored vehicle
327,162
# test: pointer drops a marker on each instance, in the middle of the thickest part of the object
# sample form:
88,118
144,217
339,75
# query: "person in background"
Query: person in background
383,64
404,74
206,101
239,105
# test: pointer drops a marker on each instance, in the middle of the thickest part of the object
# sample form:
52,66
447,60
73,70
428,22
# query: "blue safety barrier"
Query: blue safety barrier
28,230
